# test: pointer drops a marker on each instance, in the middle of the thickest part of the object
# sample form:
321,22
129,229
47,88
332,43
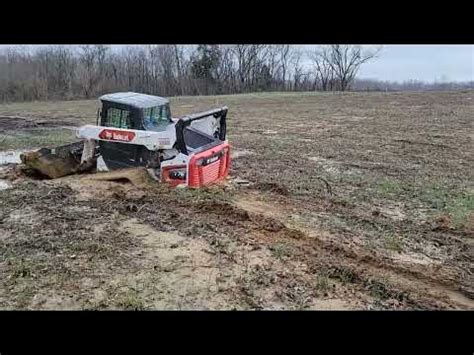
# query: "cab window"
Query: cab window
117,118
156,116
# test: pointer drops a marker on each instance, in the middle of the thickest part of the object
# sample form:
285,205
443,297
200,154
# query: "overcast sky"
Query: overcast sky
422,62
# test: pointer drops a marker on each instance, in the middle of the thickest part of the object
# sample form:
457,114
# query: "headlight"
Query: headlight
177,174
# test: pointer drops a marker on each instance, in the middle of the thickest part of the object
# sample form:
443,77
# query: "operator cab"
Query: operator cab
131,110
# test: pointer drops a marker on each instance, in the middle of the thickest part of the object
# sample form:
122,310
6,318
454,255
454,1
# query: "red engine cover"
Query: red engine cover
209,166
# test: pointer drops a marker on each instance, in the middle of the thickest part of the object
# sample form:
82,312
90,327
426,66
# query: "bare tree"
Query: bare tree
225,71
57,67
93,64
285,56
297,69
178,54
324,70
346,60
249,59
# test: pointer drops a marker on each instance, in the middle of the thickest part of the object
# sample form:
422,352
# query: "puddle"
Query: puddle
241,153
4,185
71,128
10,157
413,258
326,164
269,132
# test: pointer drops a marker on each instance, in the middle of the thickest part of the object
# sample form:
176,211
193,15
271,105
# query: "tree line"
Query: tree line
75,72
69,72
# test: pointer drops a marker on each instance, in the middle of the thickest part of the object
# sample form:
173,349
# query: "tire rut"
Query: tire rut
428,290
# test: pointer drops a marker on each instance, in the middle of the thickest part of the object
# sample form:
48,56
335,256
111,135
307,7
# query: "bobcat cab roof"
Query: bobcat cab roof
134,99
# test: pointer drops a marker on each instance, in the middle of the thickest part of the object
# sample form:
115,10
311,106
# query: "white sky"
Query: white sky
422,62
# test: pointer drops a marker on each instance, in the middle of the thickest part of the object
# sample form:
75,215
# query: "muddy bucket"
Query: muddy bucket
55,162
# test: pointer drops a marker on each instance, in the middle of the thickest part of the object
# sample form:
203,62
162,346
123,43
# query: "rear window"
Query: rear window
117,118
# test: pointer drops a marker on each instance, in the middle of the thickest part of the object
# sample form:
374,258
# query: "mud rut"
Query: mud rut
239,245
411,286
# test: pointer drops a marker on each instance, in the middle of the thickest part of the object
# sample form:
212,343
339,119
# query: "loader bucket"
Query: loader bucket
56,162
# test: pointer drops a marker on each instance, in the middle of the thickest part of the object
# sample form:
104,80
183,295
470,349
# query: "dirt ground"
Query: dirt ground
334,201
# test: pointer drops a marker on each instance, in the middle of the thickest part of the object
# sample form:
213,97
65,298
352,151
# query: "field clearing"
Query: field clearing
335,201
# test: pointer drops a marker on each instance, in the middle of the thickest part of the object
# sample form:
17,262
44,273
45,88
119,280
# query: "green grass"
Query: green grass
85,111
20,269
379,289
130,301
388,188
435,196
344,275
460,208
393,242
322,283
36,139
280,250
456,202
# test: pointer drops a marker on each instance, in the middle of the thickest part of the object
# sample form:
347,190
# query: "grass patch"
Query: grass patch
322,283
36,139
459,205
346,276
130,301
460,208
342,274
388,188
20,269
370,244
280,250
205,194
368,189
443,197
393,242
435,196
378,289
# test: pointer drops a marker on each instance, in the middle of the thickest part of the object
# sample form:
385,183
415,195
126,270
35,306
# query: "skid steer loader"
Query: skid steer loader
137,130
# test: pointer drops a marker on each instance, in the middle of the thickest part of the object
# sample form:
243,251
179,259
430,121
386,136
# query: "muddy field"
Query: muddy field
334,201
